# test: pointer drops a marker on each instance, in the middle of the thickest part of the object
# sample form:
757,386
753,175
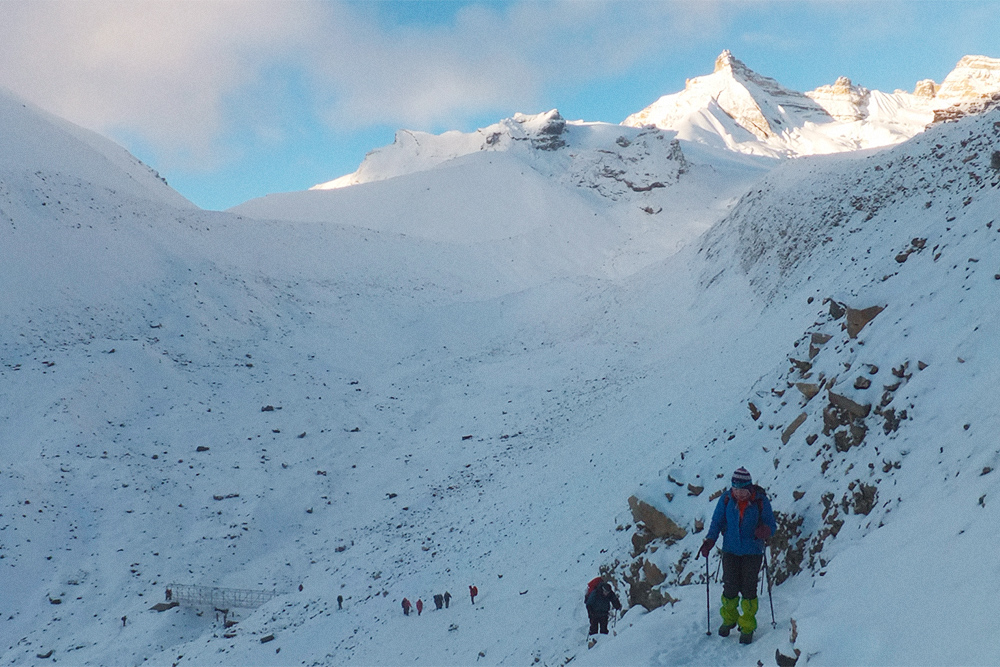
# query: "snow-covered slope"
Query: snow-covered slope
406,387
62,150
606,199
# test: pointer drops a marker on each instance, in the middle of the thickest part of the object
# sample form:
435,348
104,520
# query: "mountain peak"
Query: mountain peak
974,78
727,61
843,100
729,64
744,105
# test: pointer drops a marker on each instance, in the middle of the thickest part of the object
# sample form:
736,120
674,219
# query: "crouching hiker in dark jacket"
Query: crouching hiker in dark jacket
599,602
744,517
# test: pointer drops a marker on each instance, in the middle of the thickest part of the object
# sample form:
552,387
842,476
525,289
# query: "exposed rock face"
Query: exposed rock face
926,89
544,129
653,574
843,100
656,522
973,87
974,78
962,109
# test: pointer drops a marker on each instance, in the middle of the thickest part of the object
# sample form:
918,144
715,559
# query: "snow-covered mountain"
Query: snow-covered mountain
744,111
530,184
734,109
502,364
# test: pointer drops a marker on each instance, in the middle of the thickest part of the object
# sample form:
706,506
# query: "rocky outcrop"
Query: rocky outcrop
973,87
653,574
974,78
545,129
926,89
656,523
843,100
962,109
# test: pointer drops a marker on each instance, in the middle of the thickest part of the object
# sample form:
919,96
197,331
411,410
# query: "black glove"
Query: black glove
706,548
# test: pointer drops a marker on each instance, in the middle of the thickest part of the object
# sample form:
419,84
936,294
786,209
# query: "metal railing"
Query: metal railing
218,598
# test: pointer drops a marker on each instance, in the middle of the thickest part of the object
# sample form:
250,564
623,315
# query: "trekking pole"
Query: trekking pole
767,573
708,602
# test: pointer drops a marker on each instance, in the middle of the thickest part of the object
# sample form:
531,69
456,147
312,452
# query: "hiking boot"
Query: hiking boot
725,629
746,637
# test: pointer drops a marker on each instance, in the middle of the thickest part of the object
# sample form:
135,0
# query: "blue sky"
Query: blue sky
233,100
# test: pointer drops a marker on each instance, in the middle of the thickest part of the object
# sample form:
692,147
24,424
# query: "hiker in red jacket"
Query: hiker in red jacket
420,607
473,592
406,607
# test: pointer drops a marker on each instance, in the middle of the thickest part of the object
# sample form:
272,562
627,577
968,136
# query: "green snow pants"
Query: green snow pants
730,612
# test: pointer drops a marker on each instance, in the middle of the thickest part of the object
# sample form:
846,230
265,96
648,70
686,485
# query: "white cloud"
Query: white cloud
160,69
176,73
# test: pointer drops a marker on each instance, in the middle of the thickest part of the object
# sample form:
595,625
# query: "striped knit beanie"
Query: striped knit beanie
741,478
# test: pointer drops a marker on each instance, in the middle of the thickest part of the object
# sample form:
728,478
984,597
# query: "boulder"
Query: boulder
808,389
787,433
656,522
857,319
786,660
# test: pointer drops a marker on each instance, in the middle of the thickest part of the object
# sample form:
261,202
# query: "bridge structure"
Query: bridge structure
218,598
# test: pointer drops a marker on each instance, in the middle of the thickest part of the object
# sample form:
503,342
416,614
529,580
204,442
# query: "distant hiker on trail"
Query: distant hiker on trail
599,600
473,592
170,595
420,607
340,602
438,601
406,607
124,618
447,599
744,517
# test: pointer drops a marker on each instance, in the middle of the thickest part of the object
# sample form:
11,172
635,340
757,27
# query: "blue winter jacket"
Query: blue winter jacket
738,536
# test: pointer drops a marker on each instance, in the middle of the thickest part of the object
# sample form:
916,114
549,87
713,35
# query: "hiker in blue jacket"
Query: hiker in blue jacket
744,517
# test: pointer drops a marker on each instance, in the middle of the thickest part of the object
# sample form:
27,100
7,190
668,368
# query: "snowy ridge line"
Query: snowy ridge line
221,598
